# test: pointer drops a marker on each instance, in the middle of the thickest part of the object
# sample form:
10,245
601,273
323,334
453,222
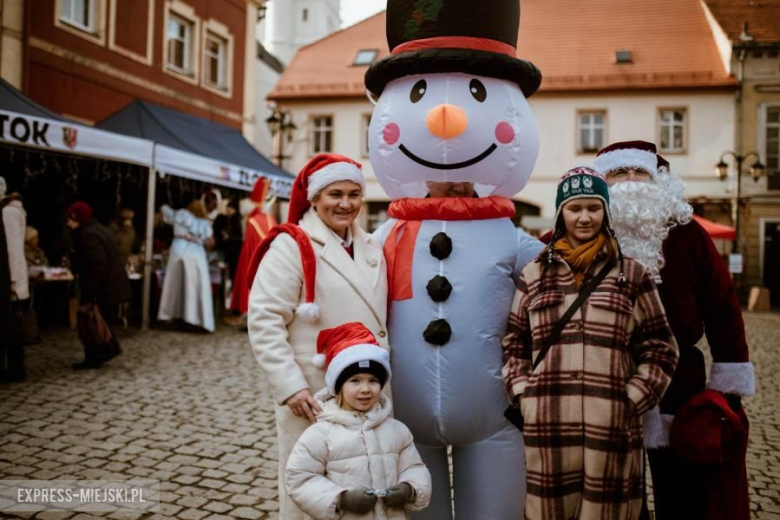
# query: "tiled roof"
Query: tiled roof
762,16
573,42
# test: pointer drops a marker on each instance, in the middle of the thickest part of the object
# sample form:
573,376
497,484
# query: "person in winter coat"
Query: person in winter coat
583,403
653,222
35,256
14,226
289,305
186,293
356,461
102,277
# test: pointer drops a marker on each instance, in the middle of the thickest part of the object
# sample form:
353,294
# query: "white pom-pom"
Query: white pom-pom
308,311
318,360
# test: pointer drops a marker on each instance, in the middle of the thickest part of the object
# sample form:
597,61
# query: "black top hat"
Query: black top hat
439,36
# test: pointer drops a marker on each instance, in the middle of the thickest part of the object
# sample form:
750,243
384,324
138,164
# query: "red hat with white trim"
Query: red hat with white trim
260,190
347,350
322,170
627,154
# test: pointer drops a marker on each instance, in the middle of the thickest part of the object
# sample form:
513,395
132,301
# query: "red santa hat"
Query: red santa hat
260,190
628,154
706,430
322,170
347,350
308,310
663,164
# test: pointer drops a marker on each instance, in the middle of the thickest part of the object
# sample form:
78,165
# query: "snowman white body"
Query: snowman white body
452,395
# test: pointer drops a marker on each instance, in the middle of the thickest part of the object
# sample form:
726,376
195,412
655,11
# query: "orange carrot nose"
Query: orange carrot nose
447,121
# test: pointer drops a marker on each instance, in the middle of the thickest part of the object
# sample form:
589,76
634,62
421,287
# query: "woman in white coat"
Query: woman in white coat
186,293
289,304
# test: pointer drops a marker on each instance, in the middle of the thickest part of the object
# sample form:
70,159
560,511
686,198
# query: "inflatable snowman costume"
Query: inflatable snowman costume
452,108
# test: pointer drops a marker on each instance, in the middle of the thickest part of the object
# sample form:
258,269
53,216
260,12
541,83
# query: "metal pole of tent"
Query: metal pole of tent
150,197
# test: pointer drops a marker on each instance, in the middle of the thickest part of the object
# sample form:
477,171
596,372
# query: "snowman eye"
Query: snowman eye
477,90
418,91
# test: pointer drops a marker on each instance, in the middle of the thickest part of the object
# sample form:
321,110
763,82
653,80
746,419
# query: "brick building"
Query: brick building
86,59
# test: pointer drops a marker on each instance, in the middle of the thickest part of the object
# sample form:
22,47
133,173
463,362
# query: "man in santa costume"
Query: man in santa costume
258,225
652,221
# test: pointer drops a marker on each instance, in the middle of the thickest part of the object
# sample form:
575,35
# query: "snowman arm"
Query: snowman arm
528,248
381,233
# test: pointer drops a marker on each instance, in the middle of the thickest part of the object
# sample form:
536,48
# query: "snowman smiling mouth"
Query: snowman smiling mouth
439,166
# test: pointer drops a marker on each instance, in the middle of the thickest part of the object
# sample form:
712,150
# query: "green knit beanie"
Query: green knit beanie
579,183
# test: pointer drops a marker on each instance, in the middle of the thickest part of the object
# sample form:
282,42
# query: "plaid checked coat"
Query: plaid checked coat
583,404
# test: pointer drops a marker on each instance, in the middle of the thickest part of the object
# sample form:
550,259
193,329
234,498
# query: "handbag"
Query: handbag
513,413
92,328
25,324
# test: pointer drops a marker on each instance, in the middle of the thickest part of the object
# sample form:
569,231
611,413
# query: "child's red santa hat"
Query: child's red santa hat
347,350
322,170
627,154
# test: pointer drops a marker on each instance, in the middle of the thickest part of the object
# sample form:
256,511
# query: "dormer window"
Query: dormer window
365,57
623,57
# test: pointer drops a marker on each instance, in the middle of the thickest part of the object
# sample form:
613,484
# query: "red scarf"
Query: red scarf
399,246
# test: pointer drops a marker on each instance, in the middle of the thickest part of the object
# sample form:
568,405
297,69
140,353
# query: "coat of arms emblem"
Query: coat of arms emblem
587,182
565,187
70,136
575,183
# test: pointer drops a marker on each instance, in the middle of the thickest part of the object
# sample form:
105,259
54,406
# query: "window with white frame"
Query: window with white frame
366,125
591,131
772,139
321,134
215,61
179,42
671,126
79,13
771,145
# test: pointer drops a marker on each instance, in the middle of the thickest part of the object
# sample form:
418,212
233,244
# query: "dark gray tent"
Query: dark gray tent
192,134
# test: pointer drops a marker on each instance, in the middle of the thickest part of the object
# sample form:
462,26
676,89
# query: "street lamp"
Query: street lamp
280,124
722,170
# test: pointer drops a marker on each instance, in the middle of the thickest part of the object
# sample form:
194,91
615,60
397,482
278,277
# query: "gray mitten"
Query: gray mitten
356,501
398,495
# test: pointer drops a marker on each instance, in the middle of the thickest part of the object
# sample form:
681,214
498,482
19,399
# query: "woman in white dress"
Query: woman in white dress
186,293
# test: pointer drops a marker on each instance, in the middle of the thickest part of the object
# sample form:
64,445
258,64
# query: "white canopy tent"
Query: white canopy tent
26,123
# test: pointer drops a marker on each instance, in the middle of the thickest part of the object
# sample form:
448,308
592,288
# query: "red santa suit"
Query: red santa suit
699,297
257,228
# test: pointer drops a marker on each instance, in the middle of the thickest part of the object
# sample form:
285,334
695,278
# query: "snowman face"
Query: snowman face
452,128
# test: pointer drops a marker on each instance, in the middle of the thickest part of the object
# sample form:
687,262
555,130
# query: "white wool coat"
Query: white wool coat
347,450
15,223
284,343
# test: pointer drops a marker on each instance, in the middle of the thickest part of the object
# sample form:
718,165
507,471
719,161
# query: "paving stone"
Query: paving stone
217,507
191,514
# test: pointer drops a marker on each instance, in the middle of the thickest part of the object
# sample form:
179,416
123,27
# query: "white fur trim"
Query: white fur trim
609,161
353,354
733,378
335,172
308,311
318,360
656,428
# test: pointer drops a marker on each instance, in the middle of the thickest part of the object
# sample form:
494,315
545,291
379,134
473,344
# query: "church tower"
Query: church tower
291,24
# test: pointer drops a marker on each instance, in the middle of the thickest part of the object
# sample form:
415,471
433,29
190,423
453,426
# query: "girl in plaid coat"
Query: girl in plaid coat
583,404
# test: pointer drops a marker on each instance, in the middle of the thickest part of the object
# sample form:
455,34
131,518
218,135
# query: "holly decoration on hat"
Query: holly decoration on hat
424,11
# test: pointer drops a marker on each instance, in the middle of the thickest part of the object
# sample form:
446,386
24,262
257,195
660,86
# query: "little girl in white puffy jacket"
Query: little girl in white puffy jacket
356,461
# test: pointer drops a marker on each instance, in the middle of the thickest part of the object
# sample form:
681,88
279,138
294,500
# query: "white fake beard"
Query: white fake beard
643,213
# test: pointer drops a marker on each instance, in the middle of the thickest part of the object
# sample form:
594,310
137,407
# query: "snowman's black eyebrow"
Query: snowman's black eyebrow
455,166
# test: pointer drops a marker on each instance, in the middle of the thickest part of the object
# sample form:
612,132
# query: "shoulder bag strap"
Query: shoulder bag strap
584,293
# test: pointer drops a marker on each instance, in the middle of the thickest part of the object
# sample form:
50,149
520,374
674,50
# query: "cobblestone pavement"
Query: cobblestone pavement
193,411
